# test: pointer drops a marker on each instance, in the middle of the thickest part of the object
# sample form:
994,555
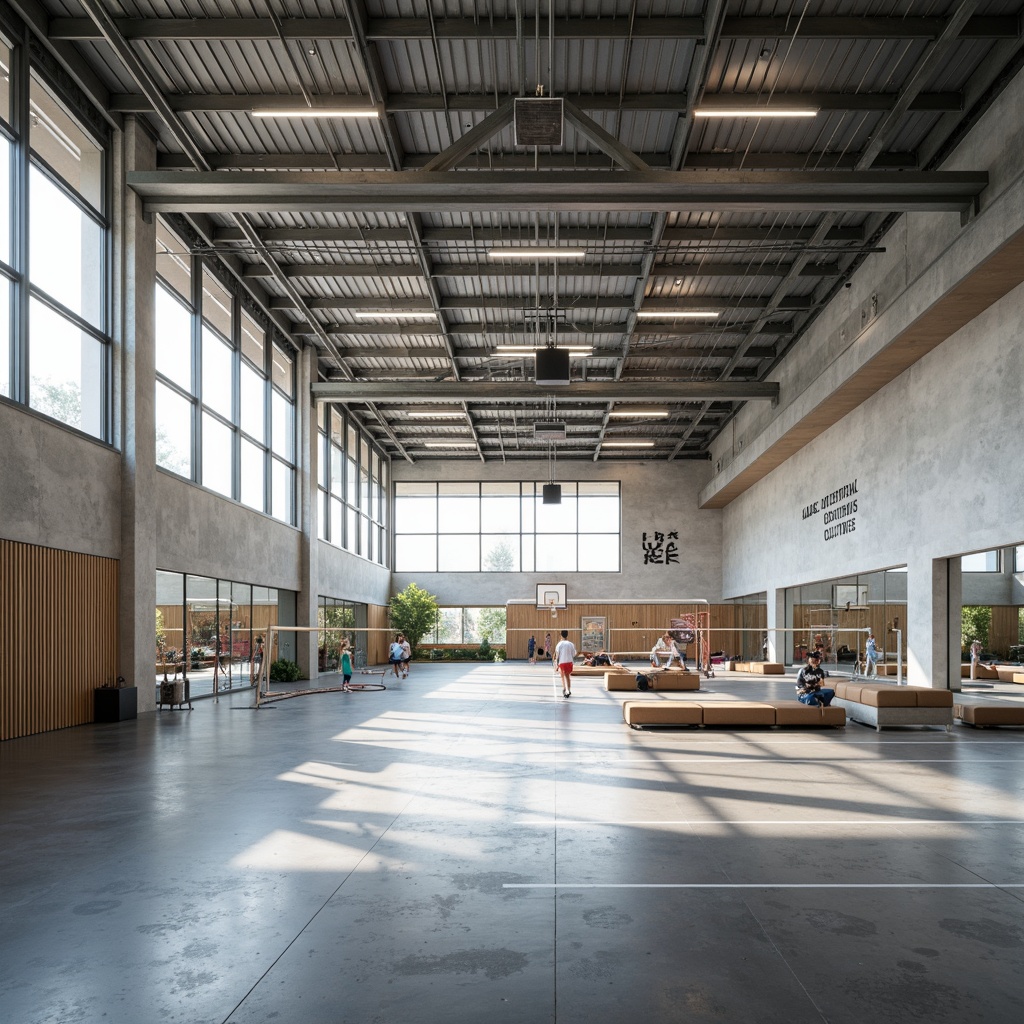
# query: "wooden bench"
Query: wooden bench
884,704
640,713
980,672
983,716
660,680
761,668
1010,673
593,670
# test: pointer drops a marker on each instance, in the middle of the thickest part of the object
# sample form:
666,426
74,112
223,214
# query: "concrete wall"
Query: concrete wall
655,498
351,578
59,489
936,454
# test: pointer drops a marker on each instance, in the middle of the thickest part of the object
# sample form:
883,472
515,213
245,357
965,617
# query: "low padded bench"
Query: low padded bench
982,716
593,670
663,680
883,704
761,668
640,713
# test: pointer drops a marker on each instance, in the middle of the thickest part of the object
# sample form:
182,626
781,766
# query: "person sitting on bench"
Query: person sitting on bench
666,646
808,683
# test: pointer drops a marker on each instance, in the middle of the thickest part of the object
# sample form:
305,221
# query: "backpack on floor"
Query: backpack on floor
643,682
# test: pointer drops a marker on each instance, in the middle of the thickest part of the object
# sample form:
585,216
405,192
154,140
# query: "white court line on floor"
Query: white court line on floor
799,760
897,822
763,885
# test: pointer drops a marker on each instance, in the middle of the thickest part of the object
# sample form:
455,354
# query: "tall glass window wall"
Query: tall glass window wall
352,477
341,620
210,630
506,527
55,345
468,626
225,392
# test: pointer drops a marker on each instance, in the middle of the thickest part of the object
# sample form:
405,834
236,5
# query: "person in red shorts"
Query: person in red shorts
565,655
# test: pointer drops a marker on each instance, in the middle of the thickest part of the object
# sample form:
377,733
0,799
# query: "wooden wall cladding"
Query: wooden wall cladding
377,644
727,622
1005,630
58,621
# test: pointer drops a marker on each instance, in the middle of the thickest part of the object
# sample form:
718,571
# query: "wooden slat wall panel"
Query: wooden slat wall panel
58,621
377,643
652,619
1005,629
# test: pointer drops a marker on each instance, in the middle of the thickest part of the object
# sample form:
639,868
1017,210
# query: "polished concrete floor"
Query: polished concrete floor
469,847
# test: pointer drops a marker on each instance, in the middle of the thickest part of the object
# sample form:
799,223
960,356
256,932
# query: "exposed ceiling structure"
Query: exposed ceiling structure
690,234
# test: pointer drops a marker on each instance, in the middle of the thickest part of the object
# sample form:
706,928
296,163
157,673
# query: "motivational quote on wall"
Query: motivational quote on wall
837,509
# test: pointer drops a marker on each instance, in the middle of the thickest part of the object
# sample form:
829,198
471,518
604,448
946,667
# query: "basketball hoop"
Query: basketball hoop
554,610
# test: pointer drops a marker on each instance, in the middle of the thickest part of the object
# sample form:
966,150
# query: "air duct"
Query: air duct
549,430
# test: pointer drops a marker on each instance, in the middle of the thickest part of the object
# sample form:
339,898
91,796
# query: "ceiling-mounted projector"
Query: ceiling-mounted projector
552,366
549,430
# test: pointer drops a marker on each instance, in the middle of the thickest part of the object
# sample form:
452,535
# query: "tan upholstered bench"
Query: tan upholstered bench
1010,673
593,670
982,715
882,704
981,672
767,668
890,669
659,680
638,713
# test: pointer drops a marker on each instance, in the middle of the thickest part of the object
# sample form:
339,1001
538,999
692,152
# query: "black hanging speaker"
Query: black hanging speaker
538,121
552,494
552,366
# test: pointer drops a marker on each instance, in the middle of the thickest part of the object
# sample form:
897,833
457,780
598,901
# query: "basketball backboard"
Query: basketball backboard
551,595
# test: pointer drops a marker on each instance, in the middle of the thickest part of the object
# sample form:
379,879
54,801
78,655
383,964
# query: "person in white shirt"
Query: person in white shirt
665,646
565,655
976,651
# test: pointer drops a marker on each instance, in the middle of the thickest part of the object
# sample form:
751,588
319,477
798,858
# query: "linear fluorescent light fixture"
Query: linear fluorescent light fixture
755,112
394,314
368,112
627,444
528,350
648,411
678,314
449,444
536,252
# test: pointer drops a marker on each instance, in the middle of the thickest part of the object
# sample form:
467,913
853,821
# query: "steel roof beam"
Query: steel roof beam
308,29
578,391
484,191
510,303
566,232
397,103
546,161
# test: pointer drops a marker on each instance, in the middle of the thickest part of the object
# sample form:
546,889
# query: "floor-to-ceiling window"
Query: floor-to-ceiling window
352,478
55,310
225,391
506,527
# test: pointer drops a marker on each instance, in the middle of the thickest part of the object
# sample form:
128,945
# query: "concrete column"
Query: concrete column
933,623
309,568
135,400
778,643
